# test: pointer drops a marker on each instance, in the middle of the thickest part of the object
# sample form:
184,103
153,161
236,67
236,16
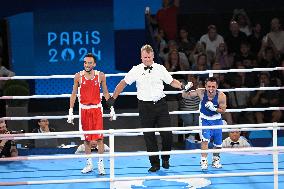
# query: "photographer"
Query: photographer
7,147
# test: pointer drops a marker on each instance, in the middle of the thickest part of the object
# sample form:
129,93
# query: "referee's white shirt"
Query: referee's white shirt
149,83
242,143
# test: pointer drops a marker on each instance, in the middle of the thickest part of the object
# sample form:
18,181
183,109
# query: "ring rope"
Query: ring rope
119,131
140,178
130,134
123,74
127,154
269,150
135,93
137,114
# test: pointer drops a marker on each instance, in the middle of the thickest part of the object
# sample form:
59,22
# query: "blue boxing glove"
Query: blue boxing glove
210,106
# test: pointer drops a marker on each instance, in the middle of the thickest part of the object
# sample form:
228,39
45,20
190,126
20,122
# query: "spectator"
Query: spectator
235,140
234,38
199,49
172,45
201,65
167,18
245,53
250,79
188,103
212,39
173,64
222,83
255,39
161,41
268,60
280,74
263,99
43,127
4,72
222,80
186,44
243,20
222,56
239,99
275,38
7,147
280,78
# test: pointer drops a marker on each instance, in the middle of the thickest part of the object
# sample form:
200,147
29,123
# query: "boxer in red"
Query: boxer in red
87,83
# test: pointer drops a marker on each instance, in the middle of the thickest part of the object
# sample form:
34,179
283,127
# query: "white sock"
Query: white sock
203,158
89,161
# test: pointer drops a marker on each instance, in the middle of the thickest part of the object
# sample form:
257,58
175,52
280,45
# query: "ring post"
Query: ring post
275,154
111,159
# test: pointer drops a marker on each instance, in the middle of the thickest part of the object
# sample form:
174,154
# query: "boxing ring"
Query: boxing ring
255,167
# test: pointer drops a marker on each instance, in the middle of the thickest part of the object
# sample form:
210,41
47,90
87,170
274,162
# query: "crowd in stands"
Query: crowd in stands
246,45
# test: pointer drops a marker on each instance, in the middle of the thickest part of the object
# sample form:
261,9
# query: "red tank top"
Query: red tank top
90,90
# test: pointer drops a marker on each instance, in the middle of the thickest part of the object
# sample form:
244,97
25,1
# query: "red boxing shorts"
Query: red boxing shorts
92,119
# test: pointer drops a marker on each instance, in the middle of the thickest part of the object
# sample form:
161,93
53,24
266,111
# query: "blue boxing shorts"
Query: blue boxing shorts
215,134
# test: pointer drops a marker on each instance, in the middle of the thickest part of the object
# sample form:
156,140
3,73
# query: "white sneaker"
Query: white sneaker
216,162
101,168
204,164
87,169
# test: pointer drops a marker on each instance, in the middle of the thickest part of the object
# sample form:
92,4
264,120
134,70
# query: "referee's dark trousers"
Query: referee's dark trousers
156,115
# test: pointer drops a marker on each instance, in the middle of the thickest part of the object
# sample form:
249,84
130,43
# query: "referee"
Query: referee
153,108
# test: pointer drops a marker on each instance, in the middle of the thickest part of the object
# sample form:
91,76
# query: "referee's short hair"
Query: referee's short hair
147,48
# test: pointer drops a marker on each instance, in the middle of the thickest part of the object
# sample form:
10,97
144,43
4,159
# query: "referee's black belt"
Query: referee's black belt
153,102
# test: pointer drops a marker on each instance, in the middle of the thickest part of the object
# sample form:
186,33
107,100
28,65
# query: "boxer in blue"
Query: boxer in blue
212,105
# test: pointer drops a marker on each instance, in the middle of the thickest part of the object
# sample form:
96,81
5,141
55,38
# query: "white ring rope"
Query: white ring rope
129,134
10,137
140,178
127,154
120,131
137,114
135,93
123,74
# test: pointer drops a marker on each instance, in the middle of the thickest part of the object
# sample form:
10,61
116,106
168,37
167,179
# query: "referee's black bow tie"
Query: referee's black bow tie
148,67
233,143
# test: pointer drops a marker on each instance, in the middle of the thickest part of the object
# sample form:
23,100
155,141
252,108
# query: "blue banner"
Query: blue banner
63,38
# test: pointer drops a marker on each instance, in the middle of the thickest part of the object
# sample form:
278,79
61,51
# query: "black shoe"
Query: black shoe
154,168
166,164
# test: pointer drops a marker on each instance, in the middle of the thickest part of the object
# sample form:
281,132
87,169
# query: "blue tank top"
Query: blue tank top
205,111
